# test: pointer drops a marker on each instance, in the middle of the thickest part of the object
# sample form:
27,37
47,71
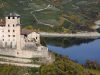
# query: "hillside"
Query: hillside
61,66
63,13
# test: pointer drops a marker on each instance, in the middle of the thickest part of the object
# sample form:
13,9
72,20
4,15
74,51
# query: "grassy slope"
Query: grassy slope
96,72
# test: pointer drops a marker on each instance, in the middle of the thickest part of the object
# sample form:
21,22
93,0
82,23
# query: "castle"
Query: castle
18,42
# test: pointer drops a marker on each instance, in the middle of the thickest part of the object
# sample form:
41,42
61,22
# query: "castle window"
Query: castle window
13,30
8,30
13,35
13,25
36,37
2,35
13,17
8,17
3,39
8,25
8,35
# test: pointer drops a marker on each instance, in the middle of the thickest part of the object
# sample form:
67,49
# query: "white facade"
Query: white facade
10,32
13,43
34,36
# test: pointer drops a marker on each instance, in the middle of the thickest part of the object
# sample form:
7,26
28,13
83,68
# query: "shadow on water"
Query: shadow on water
67,42
79,49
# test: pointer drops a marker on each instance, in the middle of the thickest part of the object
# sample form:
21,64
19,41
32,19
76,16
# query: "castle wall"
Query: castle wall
42,52
12,43
35,36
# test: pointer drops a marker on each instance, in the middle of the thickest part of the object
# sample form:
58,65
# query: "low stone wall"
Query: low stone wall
42,52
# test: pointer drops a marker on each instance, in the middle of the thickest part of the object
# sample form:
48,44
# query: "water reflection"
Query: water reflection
67,42
77,49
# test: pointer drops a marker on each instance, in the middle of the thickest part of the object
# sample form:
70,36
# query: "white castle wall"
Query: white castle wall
12,43
34,35
42,52
10,33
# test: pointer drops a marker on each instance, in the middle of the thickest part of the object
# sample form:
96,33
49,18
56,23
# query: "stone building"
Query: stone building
11,34
10,31
18,42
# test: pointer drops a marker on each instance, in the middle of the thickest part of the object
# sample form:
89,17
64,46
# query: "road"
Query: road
16,59
20,64
88,34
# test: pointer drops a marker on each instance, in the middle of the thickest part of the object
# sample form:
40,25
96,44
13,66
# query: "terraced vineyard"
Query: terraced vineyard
53,12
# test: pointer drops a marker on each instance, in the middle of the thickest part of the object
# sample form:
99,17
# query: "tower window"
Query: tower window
13,25
3,39
13,35
13,17
8,35
36,37
8,25
8,30
13,30
8,17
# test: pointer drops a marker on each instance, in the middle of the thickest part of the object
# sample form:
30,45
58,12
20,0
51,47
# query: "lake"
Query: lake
75,48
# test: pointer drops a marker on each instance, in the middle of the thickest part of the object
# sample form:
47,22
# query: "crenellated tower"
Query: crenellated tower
12,31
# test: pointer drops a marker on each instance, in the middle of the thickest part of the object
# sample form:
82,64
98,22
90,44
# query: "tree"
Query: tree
48,70
63,66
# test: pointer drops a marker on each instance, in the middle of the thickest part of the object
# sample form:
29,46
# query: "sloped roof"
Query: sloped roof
26,31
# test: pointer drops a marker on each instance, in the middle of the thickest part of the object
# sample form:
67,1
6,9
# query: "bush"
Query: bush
63,66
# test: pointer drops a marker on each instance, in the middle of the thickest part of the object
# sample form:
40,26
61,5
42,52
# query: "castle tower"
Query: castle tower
12,31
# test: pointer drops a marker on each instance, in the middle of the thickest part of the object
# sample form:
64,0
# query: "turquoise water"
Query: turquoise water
81,53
